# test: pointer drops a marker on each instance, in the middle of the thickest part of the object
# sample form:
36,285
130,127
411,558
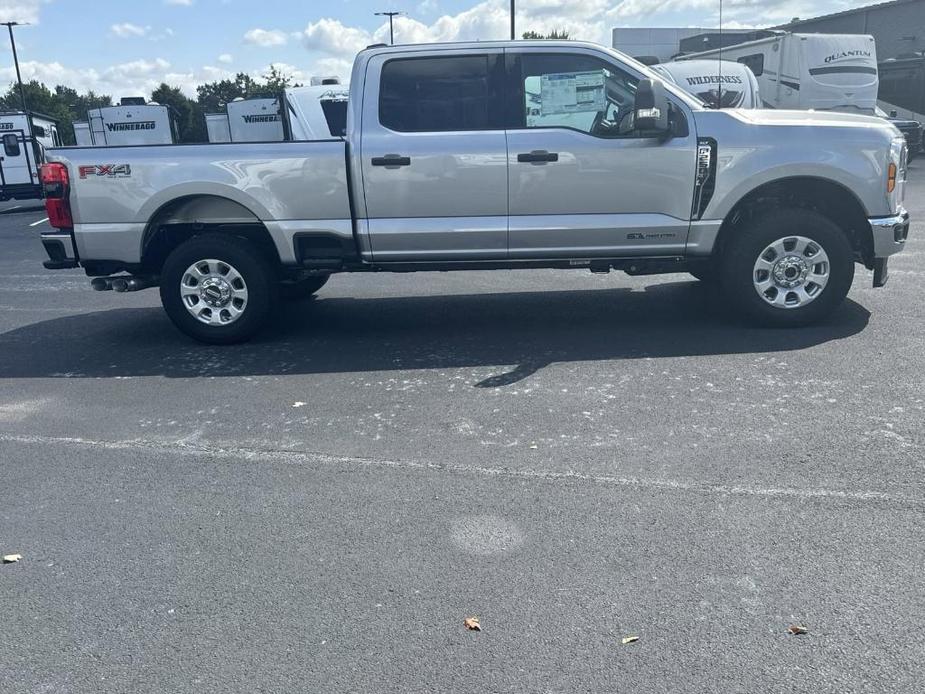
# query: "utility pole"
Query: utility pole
22,92
512,21
391,16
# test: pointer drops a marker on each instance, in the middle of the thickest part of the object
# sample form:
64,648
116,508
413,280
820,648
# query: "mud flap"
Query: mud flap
881,271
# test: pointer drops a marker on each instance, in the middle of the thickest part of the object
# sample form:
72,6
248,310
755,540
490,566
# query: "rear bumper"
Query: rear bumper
889,235
59,245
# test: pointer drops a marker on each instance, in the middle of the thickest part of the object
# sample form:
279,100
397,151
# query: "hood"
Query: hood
810,118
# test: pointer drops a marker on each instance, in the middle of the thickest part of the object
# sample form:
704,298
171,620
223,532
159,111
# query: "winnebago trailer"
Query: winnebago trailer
24,137
831,72
717,83
217,127
255,120
317,112
131,124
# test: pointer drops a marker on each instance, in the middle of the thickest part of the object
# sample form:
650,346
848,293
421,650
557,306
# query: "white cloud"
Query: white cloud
183,3
134,78
226,58
20,10
266,37
128,30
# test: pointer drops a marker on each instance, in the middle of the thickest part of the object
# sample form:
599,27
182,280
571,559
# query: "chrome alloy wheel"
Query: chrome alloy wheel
213,292
791,272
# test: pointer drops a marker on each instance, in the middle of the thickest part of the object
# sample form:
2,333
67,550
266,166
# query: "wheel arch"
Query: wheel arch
173,219
830,198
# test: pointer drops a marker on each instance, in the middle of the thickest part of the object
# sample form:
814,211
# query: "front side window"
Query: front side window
440,94
578,92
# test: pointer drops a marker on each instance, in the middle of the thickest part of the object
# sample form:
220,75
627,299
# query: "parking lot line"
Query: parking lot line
41,221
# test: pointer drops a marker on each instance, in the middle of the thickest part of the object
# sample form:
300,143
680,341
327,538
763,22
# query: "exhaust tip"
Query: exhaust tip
100,284
120,285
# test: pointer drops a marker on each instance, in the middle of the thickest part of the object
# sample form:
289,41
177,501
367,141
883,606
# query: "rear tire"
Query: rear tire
218,289
787,268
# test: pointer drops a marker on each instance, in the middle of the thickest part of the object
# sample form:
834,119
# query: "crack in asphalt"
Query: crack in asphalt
187,447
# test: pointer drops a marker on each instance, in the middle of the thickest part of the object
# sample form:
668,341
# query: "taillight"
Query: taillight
56,184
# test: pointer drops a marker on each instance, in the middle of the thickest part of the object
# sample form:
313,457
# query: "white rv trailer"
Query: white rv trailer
317,112
144,124
255,120
833,72
718,83
23,139
217,127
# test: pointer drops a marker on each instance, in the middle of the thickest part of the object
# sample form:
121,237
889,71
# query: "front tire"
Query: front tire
218,289
787,268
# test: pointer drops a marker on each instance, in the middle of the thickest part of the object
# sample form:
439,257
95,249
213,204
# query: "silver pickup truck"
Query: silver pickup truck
526,154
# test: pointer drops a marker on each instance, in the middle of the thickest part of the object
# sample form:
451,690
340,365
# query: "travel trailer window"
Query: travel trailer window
39,131
335,113
754,62
11,145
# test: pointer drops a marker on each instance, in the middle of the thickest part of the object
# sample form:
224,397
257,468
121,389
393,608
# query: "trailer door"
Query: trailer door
15,161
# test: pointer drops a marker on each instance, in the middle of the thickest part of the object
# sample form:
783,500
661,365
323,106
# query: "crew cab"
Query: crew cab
492,155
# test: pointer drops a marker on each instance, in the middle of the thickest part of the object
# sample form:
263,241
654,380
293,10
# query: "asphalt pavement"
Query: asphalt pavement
573,458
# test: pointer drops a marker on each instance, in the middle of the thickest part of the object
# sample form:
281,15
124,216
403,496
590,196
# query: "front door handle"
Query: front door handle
392,161
537,156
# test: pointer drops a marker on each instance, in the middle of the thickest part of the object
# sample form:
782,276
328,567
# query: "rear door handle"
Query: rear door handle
392,161
537,156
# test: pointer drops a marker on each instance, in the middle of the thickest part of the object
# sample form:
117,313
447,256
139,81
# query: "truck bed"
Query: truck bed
118,192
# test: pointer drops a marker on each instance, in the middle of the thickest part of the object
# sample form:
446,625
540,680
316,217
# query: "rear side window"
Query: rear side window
754,62
441,94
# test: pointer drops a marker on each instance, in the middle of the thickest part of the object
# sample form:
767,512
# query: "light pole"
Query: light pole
512,21
22,92
391,16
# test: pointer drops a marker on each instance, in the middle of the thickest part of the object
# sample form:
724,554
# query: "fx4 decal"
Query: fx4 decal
107,170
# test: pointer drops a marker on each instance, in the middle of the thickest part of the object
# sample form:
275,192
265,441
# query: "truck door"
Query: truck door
583,183
433,156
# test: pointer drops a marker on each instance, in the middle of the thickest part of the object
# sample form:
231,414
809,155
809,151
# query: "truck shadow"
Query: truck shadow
518,332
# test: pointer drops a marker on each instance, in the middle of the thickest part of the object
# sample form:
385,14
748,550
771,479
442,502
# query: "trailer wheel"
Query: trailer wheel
218,289
788,268
302,289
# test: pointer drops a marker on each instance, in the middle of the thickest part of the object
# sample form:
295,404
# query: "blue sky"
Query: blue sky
125,48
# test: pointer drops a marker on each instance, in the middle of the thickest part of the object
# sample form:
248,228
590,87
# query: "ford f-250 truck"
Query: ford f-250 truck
486,156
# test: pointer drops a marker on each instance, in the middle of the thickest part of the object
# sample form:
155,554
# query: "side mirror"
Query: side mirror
651,107
11,145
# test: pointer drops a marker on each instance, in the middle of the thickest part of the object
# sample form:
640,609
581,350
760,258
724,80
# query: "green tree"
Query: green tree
554,34
191,125
213,96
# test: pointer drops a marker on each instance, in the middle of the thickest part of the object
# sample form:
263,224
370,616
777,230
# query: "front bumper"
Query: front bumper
889,235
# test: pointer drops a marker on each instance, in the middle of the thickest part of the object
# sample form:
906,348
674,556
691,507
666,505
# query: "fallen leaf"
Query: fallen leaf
299,403
630,639
472,624
797,629
11,558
